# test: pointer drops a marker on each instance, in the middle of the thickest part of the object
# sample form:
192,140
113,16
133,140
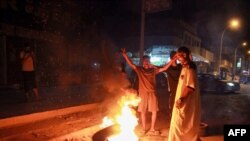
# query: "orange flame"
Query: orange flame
126,118
106,121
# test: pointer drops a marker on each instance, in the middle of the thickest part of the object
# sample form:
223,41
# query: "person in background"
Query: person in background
27,57
173,73
147,89
185,121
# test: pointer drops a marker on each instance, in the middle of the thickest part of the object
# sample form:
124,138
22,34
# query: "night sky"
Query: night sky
74,17
209,17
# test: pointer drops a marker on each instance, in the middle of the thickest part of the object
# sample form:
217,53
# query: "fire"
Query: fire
106,121
126,118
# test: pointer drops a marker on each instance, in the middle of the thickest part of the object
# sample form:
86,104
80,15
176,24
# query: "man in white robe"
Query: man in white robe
186,113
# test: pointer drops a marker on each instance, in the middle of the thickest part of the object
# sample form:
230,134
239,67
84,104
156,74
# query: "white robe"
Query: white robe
185,122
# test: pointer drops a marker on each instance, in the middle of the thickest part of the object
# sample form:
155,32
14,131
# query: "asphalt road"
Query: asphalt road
245,89
217,110
227,108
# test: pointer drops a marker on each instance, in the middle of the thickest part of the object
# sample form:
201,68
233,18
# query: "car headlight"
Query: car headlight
230,84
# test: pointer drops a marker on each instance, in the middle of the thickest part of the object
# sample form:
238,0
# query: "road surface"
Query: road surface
217,110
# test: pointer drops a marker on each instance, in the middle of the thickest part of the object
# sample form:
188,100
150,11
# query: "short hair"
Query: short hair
184,50
172,53
145,57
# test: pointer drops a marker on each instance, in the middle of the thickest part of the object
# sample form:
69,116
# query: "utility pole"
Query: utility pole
142,30
150,6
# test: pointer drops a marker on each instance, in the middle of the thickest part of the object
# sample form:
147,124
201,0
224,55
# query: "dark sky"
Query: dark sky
210,16
221,11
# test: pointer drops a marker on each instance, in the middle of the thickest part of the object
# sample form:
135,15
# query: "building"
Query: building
164,35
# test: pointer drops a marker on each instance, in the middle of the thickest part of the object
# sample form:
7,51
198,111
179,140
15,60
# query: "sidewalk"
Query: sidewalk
34,117
12,101
60,102
82,134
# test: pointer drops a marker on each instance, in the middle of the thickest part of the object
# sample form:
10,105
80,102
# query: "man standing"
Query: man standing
185,121
27,57
147,89
173,73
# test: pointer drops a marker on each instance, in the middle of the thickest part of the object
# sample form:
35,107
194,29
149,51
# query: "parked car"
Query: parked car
211,83
245,79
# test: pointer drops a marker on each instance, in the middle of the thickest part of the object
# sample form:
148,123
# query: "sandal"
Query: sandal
153,133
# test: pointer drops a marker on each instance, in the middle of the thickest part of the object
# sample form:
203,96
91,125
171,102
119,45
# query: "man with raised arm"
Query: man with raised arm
147,89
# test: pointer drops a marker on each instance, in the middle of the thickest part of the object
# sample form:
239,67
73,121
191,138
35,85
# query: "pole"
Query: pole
142,31
221,44
235,53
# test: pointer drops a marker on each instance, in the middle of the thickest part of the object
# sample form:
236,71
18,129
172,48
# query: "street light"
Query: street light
235,53
234,24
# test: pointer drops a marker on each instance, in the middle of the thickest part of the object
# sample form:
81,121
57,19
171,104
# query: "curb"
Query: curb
80,134
17,120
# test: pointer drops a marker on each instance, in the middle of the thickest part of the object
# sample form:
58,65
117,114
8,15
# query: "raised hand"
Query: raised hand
123,50
130,63
175,57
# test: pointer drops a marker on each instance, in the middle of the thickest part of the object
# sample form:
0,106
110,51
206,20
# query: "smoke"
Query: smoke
114,80
94,64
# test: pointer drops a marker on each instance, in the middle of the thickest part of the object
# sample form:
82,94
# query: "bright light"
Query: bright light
106,121
155,59
126,118
230,84
234,23
244,44
127,125
248,52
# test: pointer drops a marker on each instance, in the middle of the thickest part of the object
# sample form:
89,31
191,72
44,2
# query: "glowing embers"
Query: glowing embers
125,118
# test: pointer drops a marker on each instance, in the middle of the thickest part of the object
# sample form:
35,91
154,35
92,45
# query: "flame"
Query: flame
106,121
126,118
